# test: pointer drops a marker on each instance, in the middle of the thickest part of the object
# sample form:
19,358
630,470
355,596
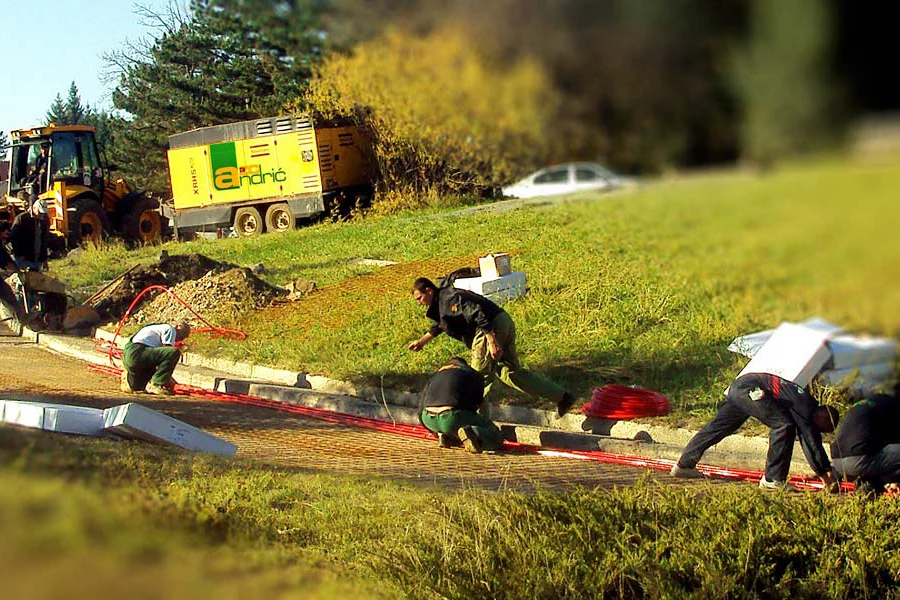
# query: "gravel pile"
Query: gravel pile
220,297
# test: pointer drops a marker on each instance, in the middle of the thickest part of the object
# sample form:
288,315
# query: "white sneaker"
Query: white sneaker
158,390
686,472
773,486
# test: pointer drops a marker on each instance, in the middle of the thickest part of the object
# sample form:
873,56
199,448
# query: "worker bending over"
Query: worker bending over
491,334
866,447
787,409
449,406
150,358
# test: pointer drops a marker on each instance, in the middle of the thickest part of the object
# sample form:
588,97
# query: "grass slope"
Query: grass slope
641,288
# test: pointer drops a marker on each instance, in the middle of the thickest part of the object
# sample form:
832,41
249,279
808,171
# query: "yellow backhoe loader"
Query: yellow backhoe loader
83,202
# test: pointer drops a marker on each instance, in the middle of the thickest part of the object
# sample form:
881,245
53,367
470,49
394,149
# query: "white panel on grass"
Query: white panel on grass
505,287
136,421
61,418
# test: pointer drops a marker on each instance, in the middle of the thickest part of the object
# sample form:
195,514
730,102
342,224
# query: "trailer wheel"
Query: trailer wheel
248,222
280,218
142,223
87,223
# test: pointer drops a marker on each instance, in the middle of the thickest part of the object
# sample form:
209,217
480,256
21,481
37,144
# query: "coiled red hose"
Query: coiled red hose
621,402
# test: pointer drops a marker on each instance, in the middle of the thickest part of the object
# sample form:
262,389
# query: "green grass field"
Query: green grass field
94,518
642,288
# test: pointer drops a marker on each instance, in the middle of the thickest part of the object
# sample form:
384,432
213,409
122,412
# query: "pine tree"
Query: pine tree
68,112
226,61
57,113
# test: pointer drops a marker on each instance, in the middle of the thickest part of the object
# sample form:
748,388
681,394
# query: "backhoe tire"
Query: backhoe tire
88,223
142,223
248,222
280,218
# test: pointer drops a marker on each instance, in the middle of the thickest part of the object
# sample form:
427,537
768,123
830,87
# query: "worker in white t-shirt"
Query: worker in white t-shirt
150,358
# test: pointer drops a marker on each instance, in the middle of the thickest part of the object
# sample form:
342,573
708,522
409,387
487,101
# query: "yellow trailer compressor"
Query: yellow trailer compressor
264,174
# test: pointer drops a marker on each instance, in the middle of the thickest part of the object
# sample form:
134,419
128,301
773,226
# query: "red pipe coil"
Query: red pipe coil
620,402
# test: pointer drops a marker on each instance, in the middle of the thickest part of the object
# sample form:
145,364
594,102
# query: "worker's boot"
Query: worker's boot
126,383
158,390
565,403
470,440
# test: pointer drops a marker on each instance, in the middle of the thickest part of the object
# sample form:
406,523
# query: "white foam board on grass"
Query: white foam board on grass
849,351
139,422
792,352
862,380
61,418
505,287
748,345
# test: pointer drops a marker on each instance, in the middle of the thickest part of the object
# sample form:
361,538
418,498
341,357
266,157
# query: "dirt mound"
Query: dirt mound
112,302
219,297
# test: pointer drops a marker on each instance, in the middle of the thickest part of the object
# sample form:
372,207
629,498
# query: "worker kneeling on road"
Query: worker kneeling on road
866,447
786,408
491,334
150,358
449,407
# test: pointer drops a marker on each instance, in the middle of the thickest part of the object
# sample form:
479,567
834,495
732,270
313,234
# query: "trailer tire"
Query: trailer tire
142,223
247,221
87,223
280,218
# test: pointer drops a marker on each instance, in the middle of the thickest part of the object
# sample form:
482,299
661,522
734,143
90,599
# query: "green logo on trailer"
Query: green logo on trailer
227,175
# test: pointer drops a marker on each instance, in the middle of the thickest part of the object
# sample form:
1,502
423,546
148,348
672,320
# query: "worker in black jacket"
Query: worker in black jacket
29,237
787,409
449,407
491,334
866,447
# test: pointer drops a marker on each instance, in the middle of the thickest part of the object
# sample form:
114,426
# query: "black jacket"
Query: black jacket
460,387
782,400
461,313
868,427
29,237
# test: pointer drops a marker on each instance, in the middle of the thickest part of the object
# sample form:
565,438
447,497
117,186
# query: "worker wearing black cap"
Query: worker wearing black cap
491,334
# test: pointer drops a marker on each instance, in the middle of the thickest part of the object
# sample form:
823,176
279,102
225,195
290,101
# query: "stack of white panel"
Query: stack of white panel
792,352
139,422
503,287
863,364
128,420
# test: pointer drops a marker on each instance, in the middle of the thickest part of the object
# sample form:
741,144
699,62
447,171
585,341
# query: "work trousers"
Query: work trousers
880,468
508,368
449,422
733,413
145,364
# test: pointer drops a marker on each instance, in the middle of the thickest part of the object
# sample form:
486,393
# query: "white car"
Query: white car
565,179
